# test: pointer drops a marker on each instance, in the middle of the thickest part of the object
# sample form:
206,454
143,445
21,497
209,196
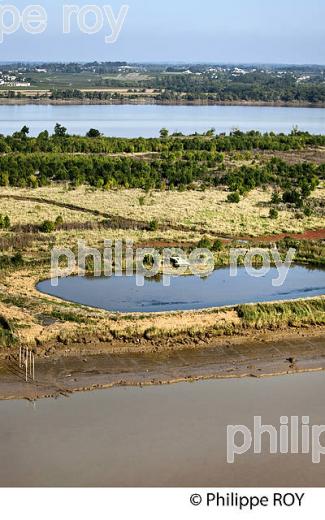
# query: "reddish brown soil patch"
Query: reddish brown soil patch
318,234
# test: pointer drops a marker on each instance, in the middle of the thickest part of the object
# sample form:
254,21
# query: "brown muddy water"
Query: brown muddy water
158,436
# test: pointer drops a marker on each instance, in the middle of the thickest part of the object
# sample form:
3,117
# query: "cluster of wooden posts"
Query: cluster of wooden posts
27,361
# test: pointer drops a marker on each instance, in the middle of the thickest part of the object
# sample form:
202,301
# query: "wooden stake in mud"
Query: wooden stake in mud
27,362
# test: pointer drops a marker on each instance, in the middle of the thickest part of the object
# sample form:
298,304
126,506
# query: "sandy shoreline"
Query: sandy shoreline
80,369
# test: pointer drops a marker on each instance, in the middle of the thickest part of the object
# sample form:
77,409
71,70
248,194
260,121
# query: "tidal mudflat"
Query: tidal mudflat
84,368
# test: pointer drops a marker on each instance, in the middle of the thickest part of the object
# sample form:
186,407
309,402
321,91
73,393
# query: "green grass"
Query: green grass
280,315
6,335
68,316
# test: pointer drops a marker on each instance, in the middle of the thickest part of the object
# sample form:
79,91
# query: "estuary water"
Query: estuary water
160,436
147,120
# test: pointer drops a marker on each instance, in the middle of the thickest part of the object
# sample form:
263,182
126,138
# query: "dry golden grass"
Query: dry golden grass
28,212
208,210
95,238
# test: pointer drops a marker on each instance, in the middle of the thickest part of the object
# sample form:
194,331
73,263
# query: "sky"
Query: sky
228,31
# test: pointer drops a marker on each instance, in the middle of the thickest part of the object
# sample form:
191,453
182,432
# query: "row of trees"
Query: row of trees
224,86
99,171
102,171
59,141
297,181
254,86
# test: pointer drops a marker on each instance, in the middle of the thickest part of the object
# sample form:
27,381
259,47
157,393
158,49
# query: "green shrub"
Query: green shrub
274,214
153,225
4,222
58,221
205,243
292,197
217,245
47,226
11,261
17,259
234,198
276,198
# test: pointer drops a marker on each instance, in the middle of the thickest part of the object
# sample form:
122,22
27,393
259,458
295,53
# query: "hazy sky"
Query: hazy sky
282,31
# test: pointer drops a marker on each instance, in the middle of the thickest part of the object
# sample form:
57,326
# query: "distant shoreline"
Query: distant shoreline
143,101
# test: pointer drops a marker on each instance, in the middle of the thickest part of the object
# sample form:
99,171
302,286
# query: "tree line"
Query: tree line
60,142
252,86
107,172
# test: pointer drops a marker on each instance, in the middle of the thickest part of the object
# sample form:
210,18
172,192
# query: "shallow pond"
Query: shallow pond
122,294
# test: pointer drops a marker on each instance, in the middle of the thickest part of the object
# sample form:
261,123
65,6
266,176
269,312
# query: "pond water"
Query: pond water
186,292
147,120
159,436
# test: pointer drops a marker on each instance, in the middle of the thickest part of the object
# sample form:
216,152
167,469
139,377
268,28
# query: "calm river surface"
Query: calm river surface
158,436
122,294
147,120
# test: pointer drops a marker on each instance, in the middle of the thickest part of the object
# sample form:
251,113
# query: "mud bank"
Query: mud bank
79,369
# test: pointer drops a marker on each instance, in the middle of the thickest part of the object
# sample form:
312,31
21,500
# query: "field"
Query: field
186,215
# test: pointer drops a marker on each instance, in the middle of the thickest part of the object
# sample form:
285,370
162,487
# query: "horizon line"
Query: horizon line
172,62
